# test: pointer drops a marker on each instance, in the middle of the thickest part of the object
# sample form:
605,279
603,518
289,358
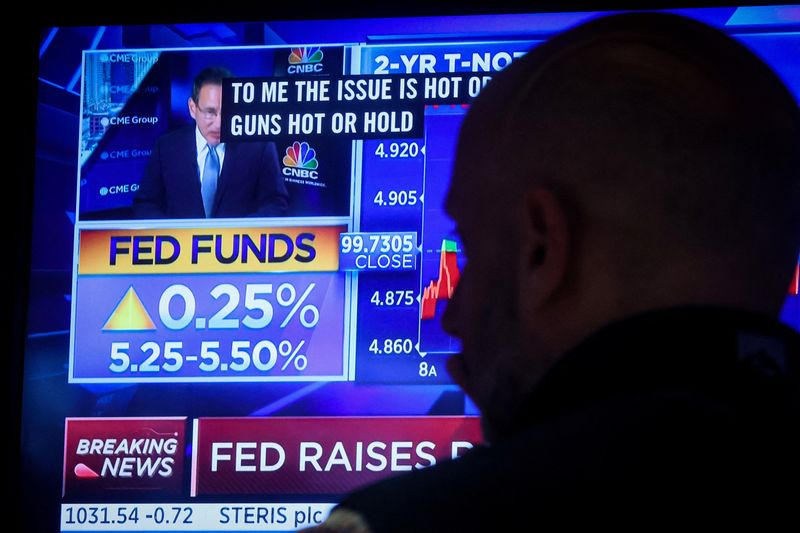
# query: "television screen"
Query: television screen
235,310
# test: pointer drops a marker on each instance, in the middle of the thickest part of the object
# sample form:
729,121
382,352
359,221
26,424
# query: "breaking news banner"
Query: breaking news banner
209,304
353,107
319,455
124,456
314,458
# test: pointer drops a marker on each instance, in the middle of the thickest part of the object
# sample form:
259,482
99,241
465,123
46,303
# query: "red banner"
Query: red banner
314,455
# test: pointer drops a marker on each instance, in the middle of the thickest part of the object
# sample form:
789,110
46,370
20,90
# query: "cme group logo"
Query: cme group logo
305,59
300,161
119,189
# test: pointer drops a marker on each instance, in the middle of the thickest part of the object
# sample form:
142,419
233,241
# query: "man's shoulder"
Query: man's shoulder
661,452
253,147
673,436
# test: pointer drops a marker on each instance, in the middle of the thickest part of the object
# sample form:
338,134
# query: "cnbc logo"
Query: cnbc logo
300,161
305,59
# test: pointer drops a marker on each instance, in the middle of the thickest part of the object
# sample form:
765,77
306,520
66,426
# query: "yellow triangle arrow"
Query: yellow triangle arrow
129,315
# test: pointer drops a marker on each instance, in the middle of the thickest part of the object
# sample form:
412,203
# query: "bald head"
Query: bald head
665,134
636,162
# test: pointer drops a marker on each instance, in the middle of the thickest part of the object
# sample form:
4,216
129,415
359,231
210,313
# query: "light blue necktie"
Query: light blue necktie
210,175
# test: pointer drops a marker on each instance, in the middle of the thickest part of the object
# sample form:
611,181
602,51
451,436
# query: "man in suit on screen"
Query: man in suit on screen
191,174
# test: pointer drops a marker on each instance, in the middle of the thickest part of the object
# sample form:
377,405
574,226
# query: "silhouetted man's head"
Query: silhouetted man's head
205,104
636,162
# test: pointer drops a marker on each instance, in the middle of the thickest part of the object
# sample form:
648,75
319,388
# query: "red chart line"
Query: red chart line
443,286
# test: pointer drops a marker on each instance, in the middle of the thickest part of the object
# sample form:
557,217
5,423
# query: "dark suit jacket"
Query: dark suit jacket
249,185
686,415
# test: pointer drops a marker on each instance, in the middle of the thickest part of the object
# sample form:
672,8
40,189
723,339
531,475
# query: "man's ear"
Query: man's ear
545,246
192,108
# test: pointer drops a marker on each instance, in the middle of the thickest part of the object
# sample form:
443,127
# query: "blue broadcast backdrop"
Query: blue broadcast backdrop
106,94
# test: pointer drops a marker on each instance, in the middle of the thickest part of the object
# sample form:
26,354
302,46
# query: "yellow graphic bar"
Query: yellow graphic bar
209,250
